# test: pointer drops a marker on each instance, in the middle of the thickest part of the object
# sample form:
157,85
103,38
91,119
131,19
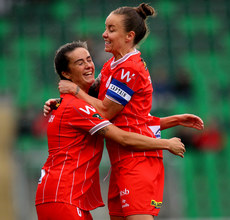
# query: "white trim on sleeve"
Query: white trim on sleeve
99,126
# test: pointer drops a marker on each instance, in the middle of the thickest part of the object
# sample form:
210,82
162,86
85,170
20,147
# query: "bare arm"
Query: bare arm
139,142
186,120
106,108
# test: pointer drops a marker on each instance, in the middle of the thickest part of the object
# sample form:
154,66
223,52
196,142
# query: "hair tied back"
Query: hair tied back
145,10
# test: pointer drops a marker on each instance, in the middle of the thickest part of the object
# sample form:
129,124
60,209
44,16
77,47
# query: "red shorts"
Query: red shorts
60,211
136,186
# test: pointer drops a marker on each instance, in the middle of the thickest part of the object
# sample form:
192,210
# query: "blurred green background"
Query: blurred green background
187,53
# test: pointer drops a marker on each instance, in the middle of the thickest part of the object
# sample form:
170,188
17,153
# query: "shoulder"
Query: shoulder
71,100
73,104
132,69
134,63
107,64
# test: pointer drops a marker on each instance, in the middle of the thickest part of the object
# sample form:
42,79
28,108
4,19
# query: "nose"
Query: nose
104,35
87,65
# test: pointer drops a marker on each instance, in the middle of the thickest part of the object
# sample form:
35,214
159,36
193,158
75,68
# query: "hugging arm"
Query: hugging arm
106,108
140,142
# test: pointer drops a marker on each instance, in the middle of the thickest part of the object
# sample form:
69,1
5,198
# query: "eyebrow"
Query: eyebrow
111,25
81,59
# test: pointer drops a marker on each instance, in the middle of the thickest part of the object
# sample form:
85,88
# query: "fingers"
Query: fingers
47,107
181,154
199,124
50,102
46,110
177,147
182,149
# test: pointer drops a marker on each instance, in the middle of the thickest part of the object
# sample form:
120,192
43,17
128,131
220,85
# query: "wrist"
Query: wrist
178,119
164,143
76,90
167,144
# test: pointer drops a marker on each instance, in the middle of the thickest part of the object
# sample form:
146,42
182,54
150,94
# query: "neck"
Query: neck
86,90
122,53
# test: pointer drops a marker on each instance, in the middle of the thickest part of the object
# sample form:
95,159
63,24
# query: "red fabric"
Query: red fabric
136,185
61,211
132,71
71,172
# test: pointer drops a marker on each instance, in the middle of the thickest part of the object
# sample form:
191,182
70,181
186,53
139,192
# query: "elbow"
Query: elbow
109,111
106,114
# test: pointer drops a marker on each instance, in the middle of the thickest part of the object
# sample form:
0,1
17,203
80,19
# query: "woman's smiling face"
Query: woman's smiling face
114,34
81,68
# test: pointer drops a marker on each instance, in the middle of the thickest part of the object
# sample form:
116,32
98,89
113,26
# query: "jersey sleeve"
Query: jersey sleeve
123,85
87,118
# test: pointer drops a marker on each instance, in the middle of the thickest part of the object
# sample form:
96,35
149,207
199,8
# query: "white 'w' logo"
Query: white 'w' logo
87,110
126,75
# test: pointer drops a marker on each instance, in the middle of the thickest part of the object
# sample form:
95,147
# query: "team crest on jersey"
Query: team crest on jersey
58,102
97,116
157,205
145,65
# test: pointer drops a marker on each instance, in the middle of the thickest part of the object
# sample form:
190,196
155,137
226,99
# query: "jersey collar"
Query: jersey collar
123,59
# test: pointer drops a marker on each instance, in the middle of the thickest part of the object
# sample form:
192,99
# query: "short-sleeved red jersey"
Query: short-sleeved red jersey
127,82
71,172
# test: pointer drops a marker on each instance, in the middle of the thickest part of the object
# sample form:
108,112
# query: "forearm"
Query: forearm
107,108
139,142
133,141
169,122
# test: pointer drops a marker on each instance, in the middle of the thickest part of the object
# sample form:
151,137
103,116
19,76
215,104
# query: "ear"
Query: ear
67,75
130,36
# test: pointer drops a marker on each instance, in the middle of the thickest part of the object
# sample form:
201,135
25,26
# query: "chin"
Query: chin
107,49
90,82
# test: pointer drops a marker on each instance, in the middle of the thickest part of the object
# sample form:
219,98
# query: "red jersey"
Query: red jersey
127,82
71,172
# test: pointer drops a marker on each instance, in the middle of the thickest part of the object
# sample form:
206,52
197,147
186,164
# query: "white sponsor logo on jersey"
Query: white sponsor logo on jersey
124,192
123,75
124,204
87,109
51,118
